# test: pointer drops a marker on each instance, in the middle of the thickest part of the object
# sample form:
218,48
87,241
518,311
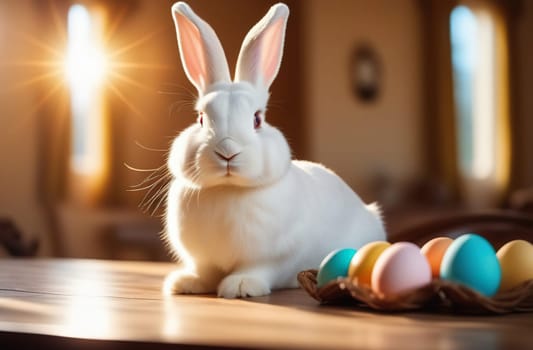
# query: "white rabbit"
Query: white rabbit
241,216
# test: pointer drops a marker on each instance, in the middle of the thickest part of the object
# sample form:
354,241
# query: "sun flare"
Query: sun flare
86,61
78,57
84,70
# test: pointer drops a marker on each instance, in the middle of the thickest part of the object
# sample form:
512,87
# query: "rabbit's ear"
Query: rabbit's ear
261,51
201,53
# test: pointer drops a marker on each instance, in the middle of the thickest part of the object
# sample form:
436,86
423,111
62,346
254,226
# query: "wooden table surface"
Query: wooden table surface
108,304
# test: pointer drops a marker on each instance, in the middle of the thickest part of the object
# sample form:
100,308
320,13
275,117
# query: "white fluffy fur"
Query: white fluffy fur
245,226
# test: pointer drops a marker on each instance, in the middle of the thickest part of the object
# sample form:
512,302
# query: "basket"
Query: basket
438,296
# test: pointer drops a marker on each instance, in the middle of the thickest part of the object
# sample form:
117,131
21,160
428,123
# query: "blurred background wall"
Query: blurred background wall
19,130
387,147
364,140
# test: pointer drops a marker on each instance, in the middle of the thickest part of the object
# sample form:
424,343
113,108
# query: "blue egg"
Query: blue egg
334,265
471,260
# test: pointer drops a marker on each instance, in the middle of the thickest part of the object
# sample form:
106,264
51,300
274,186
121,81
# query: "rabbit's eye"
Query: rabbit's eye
201,118
257,119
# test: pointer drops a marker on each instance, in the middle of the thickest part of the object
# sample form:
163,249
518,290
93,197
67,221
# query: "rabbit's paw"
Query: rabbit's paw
235,286
179,282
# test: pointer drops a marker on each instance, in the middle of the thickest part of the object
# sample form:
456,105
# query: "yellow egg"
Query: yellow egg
434,251
516,261
363,261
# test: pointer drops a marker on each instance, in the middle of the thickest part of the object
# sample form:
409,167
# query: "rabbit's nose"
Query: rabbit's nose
227,149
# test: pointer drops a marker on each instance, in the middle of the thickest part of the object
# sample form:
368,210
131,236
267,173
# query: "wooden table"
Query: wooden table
87,304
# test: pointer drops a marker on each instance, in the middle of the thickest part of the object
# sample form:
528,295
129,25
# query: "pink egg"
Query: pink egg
400,268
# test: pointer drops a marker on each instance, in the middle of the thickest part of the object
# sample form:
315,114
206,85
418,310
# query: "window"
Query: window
85,70
480,93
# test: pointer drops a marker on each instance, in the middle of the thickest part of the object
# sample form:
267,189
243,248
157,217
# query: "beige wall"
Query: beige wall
355,139
19,135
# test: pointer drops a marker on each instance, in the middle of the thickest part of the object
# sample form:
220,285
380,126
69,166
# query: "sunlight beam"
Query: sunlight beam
38,78
136,65
134,44
124,100
55,52
113,26
128,80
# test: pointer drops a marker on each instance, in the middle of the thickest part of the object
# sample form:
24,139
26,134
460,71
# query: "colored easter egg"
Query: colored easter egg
363,262
516,261
434,251
334,265
471,261
400,268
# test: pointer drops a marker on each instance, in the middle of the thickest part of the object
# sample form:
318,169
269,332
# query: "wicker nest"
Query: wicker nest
441,296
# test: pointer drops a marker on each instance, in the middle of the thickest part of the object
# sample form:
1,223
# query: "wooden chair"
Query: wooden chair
497,226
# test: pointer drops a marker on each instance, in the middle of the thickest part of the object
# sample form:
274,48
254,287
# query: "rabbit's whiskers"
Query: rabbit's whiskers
156,186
